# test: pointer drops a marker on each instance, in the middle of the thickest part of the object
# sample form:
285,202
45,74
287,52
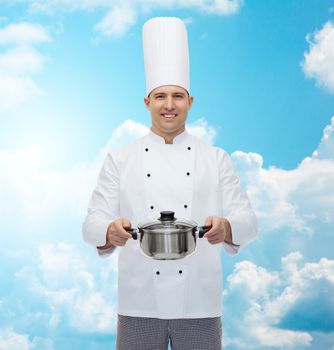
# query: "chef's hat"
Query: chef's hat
166,57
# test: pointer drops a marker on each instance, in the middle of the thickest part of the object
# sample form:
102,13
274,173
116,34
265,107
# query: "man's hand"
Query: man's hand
116,235
221,230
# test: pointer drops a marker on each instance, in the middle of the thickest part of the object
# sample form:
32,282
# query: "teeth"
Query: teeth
169,115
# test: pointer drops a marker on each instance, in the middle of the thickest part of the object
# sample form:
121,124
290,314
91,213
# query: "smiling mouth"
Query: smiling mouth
169,115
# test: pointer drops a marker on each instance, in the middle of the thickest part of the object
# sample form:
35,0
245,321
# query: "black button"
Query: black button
186,206
146,149
152,207
180,271
148,175
188,174
189,148
158,272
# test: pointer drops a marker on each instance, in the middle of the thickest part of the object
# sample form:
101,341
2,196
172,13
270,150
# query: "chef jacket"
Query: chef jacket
191,178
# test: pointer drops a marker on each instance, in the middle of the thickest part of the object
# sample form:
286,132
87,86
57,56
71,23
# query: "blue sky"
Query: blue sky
71,88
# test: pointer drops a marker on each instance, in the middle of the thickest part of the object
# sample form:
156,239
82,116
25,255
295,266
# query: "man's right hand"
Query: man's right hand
116,234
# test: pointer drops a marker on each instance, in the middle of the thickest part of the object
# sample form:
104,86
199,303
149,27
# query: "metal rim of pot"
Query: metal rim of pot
177,237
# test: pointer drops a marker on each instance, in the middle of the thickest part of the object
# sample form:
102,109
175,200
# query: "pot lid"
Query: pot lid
168,223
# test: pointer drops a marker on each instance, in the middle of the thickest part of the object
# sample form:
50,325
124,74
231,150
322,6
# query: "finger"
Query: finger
213,221
118,241
211,233
122,234
220,235
208,221
120,231
115,243
126,223
217,237
117,236
214,242
121,226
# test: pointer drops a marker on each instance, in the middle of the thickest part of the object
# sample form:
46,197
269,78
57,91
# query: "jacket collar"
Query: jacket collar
181,138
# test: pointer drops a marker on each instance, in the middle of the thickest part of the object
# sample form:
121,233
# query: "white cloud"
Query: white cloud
10,340
66,282
38,196
42,343
218,7
23,34
15,90
319,61
202,130
117,21
257,279
121,15
60,265
53,6
19,62
13,341
279,338
326,147
127,132
221,7
187,20
298,199
269,300
270,190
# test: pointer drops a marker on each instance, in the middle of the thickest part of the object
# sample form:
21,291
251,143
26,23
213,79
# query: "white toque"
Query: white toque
166,56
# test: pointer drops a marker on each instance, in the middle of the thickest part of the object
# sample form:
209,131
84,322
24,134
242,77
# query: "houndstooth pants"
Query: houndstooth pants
143,333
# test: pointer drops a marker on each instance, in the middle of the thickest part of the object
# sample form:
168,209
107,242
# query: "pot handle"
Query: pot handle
133,232
202,230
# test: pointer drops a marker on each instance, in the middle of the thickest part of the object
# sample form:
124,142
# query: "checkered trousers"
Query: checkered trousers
144,333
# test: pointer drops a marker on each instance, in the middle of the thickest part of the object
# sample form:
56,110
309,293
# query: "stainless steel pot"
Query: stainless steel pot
168,238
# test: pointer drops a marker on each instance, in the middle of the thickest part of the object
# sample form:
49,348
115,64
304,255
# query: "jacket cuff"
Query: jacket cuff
231,249
244,228
104,253
95,232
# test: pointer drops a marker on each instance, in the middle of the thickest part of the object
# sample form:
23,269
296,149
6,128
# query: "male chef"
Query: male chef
168,301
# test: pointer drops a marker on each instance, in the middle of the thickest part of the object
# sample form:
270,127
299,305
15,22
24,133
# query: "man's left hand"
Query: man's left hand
220,231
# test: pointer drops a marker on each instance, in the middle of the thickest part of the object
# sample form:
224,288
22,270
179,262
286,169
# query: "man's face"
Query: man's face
169,106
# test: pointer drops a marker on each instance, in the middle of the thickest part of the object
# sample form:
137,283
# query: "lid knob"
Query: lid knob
167,216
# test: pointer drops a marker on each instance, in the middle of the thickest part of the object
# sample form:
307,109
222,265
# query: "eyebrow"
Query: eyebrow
173,93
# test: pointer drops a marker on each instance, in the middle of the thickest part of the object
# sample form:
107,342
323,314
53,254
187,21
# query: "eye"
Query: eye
159,97
179,96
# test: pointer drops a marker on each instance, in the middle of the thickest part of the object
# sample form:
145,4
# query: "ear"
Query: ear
191,100
147,102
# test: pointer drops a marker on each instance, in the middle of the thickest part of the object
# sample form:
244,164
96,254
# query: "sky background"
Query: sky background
71,88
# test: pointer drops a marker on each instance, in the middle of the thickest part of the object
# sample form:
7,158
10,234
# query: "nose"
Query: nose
169,102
